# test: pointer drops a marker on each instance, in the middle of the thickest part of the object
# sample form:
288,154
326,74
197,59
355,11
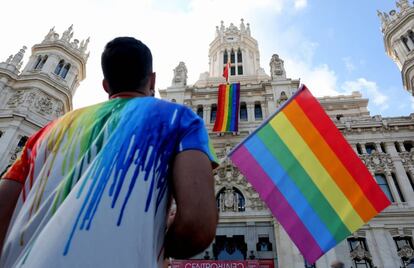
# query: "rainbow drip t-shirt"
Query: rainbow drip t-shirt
97,185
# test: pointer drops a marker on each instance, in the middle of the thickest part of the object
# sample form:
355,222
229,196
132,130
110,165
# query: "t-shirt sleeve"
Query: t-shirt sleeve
193,136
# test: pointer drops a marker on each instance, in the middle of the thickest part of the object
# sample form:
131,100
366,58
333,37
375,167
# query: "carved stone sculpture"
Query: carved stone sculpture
180,75
277,69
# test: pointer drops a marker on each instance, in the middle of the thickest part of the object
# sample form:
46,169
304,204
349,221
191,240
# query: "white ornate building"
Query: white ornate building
397,28
246,226
41,92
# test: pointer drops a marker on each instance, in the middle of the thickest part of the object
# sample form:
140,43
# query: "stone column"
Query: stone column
250,111
205,114
382,248
208,114
364,150
400,174
392,186
401,144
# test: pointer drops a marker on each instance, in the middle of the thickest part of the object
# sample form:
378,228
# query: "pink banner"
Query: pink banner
222,264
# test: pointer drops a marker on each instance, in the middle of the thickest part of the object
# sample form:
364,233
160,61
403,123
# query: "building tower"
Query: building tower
397,28
41,92
247,229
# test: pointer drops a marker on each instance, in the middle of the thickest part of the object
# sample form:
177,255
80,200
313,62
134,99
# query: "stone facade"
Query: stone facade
397,28
41,92
384,144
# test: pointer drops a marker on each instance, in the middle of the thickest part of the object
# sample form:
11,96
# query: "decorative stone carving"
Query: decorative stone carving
277,69
16,99
68,34
406,252
50,35
58,109
44,105
359,253
180,75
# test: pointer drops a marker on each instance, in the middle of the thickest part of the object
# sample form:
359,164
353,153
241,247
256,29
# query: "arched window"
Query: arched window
200,111
232,57
22,142
213,113
226,57
230,200
65,71
59,67
370,147
359,148
38,61
243,111
408,145
43,62
264,244
404,243
405,42
383,184
359,244
258,115
239,56
411,36
383,147
397,147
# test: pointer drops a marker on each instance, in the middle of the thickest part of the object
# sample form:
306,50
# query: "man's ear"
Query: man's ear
105,85
152,81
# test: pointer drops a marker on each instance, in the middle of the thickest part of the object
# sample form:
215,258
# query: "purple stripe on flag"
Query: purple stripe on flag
277,203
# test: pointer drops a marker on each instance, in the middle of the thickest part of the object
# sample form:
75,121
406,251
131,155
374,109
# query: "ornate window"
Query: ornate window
359,252
397,147
22,142
382,183
405,248
230,200
411,36
200,111
236,61
65,71
264,244
258,115
408,145
38,61
59,67
405,42
243,111
359,148
383,149
370,147
213,113
44,59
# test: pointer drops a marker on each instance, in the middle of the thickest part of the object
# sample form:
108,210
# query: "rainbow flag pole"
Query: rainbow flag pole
309,176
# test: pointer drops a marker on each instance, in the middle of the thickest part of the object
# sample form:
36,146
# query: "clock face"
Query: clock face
231,39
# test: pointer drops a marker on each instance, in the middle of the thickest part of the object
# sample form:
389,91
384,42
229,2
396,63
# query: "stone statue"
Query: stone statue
68,34
180,75
277,69
50,34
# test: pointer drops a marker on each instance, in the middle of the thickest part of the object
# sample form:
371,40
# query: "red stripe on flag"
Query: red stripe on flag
342,149
218,124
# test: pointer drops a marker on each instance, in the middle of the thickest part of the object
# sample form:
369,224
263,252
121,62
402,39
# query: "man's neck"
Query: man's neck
128,94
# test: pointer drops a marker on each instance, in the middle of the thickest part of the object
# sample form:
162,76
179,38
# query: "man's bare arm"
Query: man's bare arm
196,218
9,194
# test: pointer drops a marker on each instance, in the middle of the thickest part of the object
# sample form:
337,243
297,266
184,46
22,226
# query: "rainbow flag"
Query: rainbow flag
309,176
227,119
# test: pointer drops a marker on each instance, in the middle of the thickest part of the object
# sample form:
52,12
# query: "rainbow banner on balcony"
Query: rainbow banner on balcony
309,176
228,104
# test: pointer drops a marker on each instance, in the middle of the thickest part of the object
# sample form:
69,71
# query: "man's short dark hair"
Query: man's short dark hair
126,64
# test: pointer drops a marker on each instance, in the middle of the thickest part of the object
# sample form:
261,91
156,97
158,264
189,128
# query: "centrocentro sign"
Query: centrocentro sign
221,264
